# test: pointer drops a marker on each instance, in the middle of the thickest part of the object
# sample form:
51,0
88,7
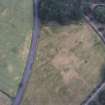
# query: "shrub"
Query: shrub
99,14
60,10
86,8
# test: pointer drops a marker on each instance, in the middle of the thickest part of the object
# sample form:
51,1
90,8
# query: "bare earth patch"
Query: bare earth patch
67,64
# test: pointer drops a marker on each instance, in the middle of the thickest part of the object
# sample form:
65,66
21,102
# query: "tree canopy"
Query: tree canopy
60,10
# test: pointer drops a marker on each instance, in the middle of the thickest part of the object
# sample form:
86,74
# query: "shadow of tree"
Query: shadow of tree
102,72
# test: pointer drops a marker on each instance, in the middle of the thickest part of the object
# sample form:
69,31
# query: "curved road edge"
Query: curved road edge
101,85
31,55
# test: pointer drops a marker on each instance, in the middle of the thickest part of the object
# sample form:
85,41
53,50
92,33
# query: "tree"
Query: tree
60,10
99,14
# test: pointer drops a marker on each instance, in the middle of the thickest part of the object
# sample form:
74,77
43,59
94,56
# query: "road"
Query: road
94,5
95,28
31,55
31,58
101,85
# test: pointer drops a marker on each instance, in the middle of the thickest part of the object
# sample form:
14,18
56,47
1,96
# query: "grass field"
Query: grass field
68,65
15,35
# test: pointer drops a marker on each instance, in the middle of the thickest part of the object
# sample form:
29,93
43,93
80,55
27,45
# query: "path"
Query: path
101,86
95,94
93,6
31,56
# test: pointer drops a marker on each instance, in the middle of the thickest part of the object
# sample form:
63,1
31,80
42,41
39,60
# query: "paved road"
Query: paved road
31,56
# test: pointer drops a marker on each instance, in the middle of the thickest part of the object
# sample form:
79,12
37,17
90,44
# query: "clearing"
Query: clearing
68,65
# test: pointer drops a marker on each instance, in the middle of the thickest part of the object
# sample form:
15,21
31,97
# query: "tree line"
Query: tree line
65,11
62,11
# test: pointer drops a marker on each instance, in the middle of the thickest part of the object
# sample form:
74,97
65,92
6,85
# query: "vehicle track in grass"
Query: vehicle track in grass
31,55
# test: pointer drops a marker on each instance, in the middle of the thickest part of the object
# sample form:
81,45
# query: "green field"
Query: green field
15,35
68,65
